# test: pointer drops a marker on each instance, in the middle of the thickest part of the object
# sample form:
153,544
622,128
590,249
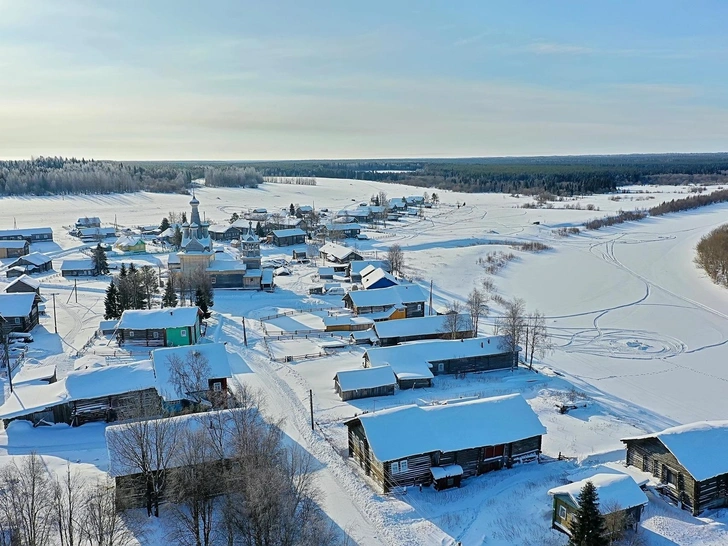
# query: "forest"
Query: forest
566,175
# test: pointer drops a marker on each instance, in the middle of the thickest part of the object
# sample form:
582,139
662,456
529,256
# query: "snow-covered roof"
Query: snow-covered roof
16,304
365,378
326,271
293,232
92,231
375,276
337,251
86,220
128,240
24,279
700,447
404,431
226,265
363,335
266,276
420,326
162,359
25,232
614,490
357,266
221,228
221,421
94,382
77,265
392,295
436,350
171,317
368,270
442,472
13,244
335,226
36,258
173,258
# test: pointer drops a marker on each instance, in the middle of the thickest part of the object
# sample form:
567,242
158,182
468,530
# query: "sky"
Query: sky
243,80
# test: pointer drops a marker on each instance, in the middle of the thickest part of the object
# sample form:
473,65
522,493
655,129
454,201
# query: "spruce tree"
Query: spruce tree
292,210
259,230
588,527
164,226
176,239
101,263
201,302
122,282
169,298
112,310
184,217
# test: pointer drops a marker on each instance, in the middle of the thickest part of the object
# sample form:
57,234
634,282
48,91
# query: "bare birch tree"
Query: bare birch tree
454,321
68,496
512,326
103,525
477,307
189,376
537,339
26,501
395,257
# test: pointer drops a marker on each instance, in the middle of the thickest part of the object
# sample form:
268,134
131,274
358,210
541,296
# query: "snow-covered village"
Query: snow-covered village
433,363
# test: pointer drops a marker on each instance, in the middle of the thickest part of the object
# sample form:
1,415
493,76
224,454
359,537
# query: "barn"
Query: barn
13,249
690,460
393,332
402,446
365,383
35,262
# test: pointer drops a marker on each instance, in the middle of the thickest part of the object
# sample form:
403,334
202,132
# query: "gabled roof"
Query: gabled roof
85,220
13,244
171,317
92,231
700,447
370,278
16,304
337,251
162,360
221,228
420,326
358,266
27,281
365,378
335,226
614,490
77,265
392,295
129,240
288,232
25,232
404,431
35,258
437,350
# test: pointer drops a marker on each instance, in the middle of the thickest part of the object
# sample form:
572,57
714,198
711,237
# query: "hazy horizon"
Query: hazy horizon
239,81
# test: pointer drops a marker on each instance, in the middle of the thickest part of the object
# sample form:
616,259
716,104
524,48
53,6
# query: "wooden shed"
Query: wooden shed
14,249
399,446
365,383
690,460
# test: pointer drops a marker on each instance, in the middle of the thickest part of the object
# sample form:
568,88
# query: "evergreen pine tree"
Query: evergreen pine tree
101,263
164,226
169,298
292,210
122,285
259,230
184,217
588,528
201,302
112,309
176,239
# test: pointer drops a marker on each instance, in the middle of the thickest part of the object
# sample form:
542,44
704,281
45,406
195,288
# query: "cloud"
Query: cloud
552,48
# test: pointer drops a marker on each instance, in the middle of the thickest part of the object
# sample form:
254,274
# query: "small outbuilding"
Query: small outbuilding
24,284
365,383
377,278
78,268
19,312
14,249
288,237
35,262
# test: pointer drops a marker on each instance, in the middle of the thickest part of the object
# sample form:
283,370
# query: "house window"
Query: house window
403,466
213,280
217,386
183,333
17,320
155,335
131,333
419,307
441,367
562,512
394,468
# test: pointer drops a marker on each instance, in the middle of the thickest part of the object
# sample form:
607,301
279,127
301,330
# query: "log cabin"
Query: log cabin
365,383
689,460
401,446
170,327
394,302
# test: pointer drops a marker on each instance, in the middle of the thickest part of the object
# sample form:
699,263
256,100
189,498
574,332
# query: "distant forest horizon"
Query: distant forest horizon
558,175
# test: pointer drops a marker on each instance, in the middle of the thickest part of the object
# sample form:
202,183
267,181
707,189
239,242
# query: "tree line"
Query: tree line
712,255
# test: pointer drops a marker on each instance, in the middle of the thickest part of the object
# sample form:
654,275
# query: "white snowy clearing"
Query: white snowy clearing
640,339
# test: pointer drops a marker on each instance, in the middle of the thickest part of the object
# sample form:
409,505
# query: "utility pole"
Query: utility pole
310,403
245,334
75,289
55,320
430,296
7,359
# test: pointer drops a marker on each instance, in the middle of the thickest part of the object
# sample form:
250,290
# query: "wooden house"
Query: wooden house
374,278
619,495
19,311
334,230
32,235
225,232
288,237
689,460
35,262
365,383
415,364
78,268
336,253
14,249
401,446
24,284
394,332
94,392
394,302
131,244
170,327
354,269
88,222
210,358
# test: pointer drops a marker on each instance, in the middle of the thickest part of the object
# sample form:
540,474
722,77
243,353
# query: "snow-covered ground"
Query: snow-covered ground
639,334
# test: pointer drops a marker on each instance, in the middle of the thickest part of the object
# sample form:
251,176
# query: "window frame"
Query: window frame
394,467
562,512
